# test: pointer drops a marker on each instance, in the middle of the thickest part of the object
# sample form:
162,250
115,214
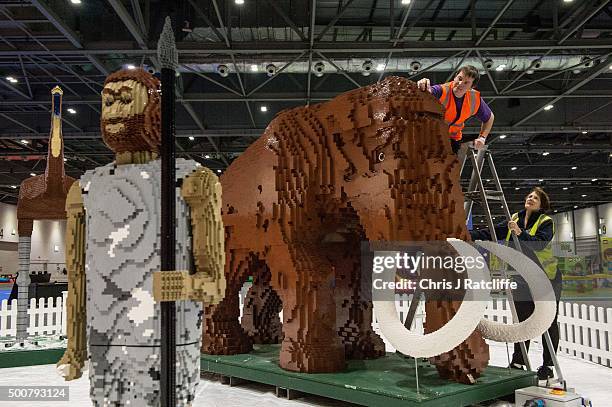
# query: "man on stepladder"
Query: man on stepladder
461,101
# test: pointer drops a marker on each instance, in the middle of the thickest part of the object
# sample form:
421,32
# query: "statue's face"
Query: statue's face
123,116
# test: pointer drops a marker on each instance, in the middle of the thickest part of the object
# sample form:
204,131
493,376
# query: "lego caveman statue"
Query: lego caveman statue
113,255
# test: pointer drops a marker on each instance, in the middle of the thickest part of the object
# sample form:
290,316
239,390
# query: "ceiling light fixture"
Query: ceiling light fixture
584,195
503,136
584,132
575,206
71,110
541,180
318,69
366,67
548,107
565,188
513,168
191,138
207,156
14,186
239,2
500,67
574,168
24,141
263,108
32,174
545,153
219,171
380,67
254,68
576,71
11,79
516,188
223,70
130,66
271,69
405,2
594,180
75,1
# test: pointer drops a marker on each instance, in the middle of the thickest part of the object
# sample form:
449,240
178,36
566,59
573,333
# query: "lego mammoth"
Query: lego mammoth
371,164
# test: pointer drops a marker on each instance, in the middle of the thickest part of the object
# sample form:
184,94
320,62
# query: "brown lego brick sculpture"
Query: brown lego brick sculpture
40,197
371,164
44,196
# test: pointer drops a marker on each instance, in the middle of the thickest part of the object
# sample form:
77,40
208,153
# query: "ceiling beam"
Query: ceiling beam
495,20
70,35
603,67
296,47
129,23
285,17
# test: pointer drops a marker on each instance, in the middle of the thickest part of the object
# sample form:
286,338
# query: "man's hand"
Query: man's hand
424,85
513,226
479,143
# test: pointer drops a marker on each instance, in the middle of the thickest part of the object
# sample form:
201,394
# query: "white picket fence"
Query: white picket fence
47,316
585,331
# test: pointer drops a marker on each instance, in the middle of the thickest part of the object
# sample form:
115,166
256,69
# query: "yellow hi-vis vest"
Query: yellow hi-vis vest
546,256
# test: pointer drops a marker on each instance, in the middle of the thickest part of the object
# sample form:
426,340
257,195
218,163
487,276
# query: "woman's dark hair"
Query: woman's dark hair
544,199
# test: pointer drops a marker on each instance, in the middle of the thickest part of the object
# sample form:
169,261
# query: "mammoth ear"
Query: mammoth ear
541,291
461,325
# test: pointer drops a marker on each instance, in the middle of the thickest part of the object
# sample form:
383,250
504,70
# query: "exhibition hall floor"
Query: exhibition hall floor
590,380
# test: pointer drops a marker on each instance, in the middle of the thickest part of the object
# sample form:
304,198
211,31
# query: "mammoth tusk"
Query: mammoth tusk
541,291
461,325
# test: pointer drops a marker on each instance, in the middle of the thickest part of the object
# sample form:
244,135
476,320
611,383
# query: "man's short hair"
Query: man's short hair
471,72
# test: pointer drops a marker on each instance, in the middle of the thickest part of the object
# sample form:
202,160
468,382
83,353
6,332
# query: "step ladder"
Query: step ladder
476,193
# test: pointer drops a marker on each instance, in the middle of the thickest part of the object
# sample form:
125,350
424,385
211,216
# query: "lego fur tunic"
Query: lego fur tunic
122,205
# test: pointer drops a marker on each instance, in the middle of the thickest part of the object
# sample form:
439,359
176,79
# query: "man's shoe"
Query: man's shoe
544,373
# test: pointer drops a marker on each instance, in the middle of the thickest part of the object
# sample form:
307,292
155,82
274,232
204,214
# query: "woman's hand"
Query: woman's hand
513,226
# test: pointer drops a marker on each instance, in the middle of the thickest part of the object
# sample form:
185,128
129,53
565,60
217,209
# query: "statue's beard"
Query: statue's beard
125,134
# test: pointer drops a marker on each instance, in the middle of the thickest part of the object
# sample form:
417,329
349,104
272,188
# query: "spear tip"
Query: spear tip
166,47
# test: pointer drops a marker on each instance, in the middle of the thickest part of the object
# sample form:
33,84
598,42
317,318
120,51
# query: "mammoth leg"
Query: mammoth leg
465,362
260,317
222,333
354,306
305,283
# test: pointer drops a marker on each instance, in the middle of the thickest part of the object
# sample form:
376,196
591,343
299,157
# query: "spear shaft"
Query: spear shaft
168,56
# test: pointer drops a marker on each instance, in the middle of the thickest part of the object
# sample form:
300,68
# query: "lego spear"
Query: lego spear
168,57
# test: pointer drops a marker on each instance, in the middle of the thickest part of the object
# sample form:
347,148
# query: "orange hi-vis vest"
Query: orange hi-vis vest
471,103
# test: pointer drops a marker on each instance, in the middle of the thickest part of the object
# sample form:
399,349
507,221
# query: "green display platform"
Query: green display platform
388,381
30,357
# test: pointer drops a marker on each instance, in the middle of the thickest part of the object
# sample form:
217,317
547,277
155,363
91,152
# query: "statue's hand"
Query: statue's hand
171,285
70,366
180,285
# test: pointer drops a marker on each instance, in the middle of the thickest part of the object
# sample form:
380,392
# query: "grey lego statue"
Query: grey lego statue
113,256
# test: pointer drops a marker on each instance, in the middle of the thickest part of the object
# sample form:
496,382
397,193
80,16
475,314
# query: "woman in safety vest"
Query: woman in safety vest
535,231
461,102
